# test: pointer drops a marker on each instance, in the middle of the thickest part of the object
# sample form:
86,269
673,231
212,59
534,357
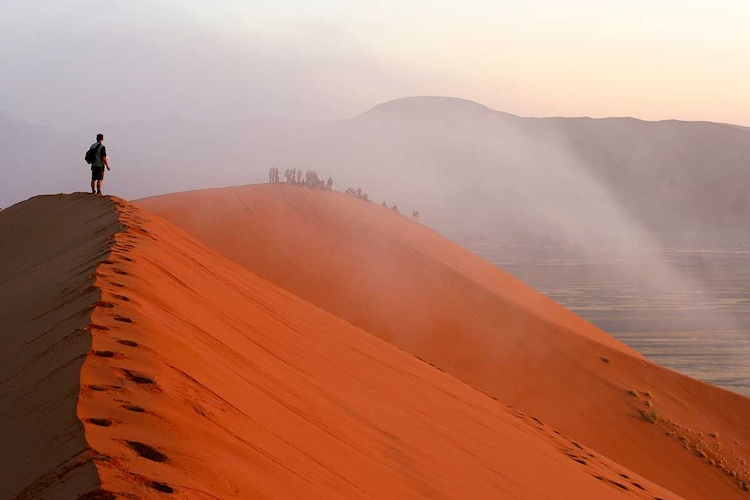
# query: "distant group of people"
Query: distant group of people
414,213
273,175
312,180
358,193
394,207
294,176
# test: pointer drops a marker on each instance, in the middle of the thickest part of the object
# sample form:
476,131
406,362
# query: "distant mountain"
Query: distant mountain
684,180
435,109
464,166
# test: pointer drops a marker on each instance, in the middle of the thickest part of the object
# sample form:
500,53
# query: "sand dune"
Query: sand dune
138,363
407,285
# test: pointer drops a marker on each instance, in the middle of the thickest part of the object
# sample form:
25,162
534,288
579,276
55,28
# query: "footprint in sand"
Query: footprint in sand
146,451
138,379
134,408
93,326
101,422
98,494
163,487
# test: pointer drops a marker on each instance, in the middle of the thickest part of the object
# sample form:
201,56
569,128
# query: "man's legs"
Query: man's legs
97,176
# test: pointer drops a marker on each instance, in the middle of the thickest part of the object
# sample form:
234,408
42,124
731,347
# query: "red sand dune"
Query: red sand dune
407,285
137,363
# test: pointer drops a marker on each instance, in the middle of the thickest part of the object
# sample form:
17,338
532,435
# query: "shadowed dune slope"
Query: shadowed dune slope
191,377
409,286
49,249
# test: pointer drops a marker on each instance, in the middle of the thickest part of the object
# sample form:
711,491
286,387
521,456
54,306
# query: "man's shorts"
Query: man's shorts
97,173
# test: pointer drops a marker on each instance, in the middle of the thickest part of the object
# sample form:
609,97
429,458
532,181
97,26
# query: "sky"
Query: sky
80,63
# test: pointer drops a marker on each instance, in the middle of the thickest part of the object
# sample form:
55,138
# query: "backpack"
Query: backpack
91,153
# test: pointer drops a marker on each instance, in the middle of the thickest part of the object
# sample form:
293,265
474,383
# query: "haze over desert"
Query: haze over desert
405,250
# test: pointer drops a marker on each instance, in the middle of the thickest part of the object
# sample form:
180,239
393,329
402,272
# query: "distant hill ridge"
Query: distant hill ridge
433,107
465,166
442,106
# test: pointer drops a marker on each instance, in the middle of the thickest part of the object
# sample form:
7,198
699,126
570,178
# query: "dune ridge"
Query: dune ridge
192,377
407,285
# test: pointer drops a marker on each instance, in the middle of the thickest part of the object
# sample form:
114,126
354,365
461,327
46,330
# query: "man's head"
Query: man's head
99,137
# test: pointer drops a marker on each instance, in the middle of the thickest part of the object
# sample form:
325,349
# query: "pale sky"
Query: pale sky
71,63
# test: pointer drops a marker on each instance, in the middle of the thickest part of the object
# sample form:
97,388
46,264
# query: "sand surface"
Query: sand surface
404,283
138,363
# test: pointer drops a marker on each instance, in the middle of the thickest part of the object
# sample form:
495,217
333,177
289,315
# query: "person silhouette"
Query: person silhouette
101,161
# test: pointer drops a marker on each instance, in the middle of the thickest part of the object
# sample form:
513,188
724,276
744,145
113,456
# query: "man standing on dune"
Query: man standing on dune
97,166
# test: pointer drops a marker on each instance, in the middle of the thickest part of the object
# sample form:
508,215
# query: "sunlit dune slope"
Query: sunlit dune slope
169,371
407,285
